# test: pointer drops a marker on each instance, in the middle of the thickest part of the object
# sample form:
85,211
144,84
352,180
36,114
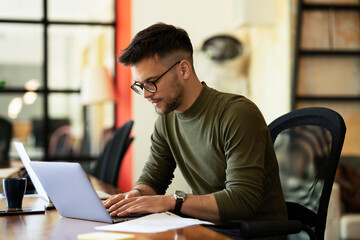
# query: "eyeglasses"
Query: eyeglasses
149,86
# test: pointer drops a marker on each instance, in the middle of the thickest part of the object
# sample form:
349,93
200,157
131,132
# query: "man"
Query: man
219,141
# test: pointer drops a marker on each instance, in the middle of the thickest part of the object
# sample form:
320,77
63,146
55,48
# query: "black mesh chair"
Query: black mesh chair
107,167
308,143
5,139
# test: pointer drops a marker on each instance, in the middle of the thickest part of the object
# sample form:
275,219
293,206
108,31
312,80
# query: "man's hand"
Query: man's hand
118,197
148,204
144,199
141,199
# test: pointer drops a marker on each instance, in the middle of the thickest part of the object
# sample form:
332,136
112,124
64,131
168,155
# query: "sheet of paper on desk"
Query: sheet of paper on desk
157,222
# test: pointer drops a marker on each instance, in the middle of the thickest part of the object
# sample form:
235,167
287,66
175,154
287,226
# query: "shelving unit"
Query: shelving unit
327,62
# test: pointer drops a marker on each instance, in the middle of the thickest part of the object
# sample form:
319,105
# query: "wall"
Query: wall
271,63
269,72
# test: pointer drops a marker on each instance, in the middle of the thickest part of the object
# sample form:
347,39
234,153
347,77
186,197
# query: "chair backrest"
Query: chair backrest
107,167
5,139
60,141
308,143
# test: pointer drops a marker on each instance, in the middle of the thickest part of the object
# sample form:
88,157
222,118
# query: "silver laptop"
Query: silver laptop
69,188
26,161
71,191
38,187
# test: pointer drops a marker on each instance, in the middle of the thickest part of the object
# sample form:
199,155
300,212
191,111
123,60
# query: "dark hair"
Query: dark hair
159,39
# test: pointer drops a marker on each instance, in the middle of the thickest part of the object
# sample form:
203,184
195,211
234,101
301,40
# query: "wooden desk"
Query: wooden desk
52,226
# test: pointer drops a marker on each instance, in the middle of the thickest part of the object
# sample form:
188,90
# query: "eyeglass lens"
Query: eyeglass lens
139,88
149,86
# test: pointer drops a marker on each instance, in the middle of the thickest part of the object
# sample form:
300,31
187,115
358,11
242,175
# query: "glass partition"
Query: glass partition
22,113
43,63
72,48
81,10
21,58
17,9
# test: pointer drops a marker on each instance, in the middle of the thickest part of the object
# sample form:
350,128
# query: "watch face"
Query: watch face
180,194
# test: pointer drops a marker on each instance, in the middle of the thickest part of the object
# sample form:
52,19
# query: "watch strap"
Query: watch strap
180,197
178,205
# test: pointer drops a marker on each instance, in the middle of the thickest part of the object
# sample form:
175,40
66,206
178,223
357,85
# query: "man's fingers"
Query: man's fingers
119,197
113,199
140,204
126,210
130,195
122,204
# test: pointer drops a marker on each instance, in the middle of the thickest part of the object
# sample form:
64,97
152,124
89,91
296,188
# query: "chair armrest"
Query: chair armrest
258,229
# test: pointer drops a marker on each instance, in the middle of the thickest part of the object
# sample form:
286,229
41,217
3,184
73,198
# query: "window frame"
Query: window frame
45,91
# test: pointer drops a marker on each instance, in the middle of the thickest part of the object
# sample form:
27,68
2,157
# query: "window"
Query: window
47,47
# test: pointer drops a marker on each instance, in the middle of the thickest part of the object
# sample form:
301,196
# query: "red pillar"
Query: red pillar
123,82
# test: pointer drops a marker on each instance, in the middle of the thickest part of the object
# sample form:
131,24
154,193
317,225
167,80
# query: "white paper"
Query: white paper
157,222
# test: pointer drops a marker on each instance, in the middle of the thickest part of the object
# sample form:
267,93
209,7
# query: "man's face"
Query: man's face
169,94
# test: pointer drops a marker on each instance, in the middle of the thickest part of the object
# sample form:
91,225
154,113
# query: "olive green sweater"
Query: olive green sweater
222,146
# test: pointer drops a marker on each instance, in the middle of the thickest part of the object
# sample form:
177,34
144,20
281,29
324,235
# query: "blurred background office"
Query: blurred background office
64,94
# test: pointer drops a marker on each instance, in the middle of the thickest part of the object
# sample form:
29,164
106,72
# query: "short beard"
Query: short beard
173,103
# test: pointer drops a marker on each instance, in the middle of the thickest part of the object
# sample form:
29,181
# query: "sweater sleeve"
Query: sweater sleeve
245,137
158,171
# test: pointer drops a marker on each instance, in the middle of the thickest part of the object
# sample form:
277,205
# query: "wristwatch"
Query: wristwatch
180,197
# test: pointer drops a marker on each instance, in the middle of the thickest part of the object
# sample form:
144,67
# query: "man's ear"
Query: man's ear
185,68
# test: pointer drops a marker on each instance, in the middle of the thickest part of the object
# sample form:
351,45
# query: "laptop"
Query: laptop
69,188
26,162
38,187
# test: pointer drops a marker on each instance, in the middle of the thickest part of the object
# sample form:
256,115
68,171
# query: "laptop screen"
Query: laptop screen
26,161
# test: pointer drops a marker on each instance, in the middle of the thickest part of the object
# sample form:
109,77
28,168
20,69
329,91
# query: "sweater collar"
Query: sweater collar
197,106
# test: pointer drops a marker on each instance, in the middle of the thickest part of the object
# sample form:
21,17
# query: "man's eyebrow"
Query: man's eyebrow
150,78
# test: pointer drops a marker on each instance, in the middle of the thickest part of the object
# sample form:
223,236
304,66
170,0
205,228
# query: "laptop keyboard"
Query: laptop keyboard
125,218
132,216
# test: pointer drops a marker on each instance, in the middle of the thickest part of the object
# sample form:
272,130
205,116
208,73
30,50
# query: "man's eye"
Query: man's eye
148,83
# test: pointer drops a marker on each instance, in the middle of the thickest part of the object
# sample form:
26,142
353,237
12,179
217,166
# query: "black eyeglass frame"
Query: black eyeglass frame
142,85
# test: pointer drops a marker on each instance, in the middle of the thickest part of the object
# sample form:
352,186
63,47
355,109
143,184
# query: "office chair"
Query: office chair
5,139
107,167
308,144
60,141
